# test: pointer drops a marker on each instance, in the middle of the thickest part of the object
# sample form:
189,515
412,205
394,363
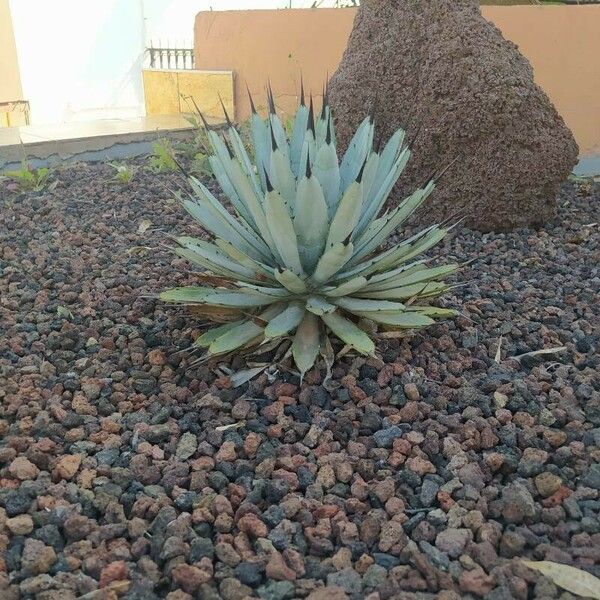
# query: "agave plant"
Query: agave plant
297,255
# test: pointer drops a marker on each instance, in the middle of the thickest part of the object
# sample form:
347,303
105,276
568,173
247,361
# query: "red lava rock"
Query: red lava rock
445,501
556,499
287,400
420,466
223,383
221,504
555,437
452,541
288,476
295,560
178,595
23,469
67,466
475,582
357,393
472,474
412,392
278,569
114,571
518,588
9,484
370,528
78,527
273,411
409,412
385,375
284,389
37,558
157,358
395,459
226,452
240,409
494,461
189,577
326,511
20,525
328,593
392,538
402,445
359,489
385,489
253,526
394,506
227,554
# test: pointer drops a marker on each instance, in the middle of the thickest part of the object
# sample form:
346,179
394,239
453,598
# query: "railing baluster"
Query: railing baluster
171,58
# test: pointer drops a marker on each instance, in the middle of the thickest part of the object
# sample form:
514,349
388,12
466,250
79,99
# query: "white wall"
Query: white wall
82,59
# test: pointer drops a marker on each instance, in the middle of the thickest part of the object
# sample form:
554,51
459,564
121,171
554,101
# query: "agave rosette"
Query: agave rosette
297,256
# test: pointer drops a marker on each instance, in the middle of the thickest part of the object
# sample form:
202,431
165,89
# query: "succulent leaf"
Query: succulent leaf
235,338
310,221
332,261
208,337
282,231
319,306
297,140
286,321
327,171
349,333
358,149
347,214
291,281
305,347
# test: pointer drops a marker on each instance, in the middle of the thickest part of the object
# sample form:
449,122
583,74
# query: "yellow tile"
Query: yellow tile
205,87
161,92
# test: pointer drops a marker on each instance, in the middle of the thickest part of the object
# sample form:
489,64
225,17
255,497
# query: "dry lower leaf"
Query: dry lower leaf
554,350
246,375
139,250
498,357
395,334
573,580
237,425
328,355
112,590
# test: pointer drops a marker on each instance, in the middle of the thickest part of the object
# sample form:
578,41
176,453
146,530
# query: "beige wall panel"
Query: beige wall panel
205,88
161,92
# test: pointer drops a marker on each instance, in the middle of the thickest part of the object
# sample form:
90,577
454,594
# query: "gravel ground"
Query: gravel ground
428,472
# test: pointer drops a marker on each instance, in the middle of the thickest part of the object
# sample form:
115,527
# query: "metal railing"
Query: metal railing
161,57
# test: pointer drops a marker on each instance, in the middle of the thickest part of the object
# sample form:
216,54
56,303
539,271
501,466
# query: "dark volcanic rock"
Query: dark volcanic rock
440,67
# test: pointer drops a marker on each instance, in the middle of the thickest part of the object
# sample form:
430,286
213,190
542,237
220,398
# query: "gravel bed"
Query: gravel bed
428,472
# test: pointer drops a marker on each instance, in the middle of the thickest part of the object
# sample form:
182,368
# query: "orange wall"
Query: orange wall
273,44
561,42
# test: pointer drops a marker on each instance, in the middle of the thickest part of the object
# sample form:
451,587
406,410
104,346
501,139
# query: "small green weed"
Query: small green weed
30,179
163,157
124,173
